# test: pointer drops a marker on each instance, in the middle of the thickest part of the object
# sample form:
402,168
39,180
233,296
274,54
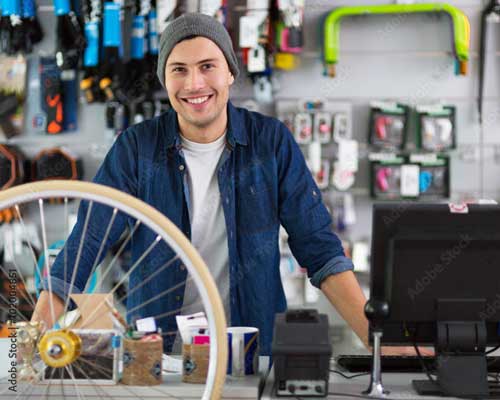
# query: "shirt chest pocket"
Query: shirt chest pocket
257,208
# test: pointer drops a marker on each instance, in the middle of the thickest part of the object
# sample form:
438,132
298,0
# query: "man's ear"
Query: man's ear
231,78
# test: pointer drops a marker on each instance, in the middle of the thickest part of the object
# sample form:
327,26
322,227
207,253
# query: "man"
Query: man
227,178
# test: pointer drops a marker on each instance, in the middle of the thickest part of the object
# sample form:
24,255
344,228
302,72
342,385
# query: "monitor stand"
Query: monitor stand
458,375
460,345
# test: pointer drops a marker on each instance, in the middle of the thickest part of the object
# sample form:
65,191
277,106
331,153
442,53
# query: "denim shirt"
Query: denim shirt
263,181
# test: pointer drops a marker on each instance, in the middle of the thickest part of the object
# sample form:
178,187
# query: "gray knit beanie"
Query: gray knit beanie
195,24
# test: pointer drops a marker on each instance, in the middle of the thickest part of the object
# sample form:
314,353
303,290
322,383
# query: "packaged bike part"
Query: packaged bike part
388,125
13,70
341,127
386,179
289,35
436,127
322,127
303,127
342,179
321,177
51,95
434,176
346,166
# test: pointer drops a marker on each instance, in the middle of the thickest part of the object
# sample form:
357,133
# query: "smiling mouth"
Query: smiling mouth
198,100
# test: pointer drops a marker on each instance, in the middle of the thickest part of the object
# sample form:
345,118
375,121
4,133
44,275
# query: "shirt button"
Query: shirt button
178,298
181,167
227,200
182,267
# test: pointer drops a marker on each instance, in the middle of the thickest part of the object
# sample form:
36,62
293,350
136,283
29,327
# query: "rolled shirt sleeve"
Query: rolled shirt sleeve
303,214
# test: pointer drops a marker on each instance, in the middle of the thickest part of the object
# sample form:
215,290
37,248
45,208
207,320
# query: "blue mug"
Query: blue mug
243,351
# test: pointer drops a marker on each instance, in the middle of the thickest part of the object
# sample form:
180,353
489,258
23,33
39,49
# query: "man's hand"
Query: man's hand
345,294
406,351
43,309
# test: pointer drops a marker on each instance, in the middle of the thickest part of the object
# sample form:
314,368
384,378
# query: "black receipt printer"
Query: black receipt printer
301,351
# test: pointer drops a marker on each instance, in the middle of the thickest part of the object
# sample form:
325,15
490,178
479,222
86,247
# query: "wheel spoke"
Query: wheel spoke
69,368
104,240
113,261
46,257
35,261
130,291
15,308
66,223
96,366
30,300
125,277
47,389
176,311
100,367
159,295
78,255
95,385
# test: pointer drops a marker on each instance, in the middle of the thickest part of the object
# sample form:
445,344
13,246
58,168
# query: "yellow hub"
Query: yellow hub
59,348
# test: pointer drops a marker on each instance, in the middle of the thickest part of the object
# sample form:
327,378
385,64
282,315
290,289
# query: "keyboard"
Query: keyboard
404,364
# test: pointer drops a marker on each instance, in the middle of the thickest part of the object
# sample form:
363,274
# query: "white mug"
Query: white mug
244,351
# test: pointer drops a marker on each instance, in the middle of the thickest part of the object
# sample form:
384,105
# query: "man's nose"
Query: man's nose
194,81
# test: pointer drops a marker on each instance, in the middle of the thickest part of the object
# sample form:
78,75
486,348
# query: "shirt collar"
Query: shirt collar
236,132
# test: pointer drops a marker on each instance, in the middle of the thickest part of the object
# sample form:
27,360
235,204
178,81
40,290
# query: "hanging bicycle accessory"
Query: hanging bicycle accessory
460,25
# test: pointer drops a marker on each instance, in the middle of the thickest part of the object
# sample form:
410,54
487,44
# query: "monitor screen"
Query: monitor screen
431,264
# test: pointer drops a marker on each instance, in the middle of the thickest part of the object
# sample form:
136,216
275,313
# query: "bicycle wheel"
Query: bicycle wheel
33,201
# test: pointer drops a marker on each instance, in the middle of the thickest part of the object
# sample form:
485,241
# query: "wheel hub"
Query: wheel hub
60,348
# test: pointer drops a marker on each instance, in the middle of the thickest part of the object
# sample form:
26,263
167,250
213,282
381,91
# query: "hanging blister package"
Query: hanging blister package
386,178
388,125
321,177
341,129
137,41
51,95
69,86
303,125
434,176
12,95
436,127
91,53
153,33
322,127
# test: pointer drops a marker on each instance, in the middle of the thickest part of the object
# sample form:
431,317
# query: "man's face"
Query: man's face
197,79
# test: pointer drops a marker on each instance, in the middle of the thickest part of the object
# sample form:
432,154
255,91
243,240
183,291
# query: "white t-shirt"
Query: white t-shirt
208,228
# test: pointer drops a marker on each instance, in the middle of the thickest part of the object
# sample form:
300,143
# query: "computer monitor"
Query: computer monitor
438,269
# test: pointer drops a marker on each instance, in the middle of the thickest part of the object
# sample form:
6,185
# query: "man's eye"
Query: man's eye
178,69
208,66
